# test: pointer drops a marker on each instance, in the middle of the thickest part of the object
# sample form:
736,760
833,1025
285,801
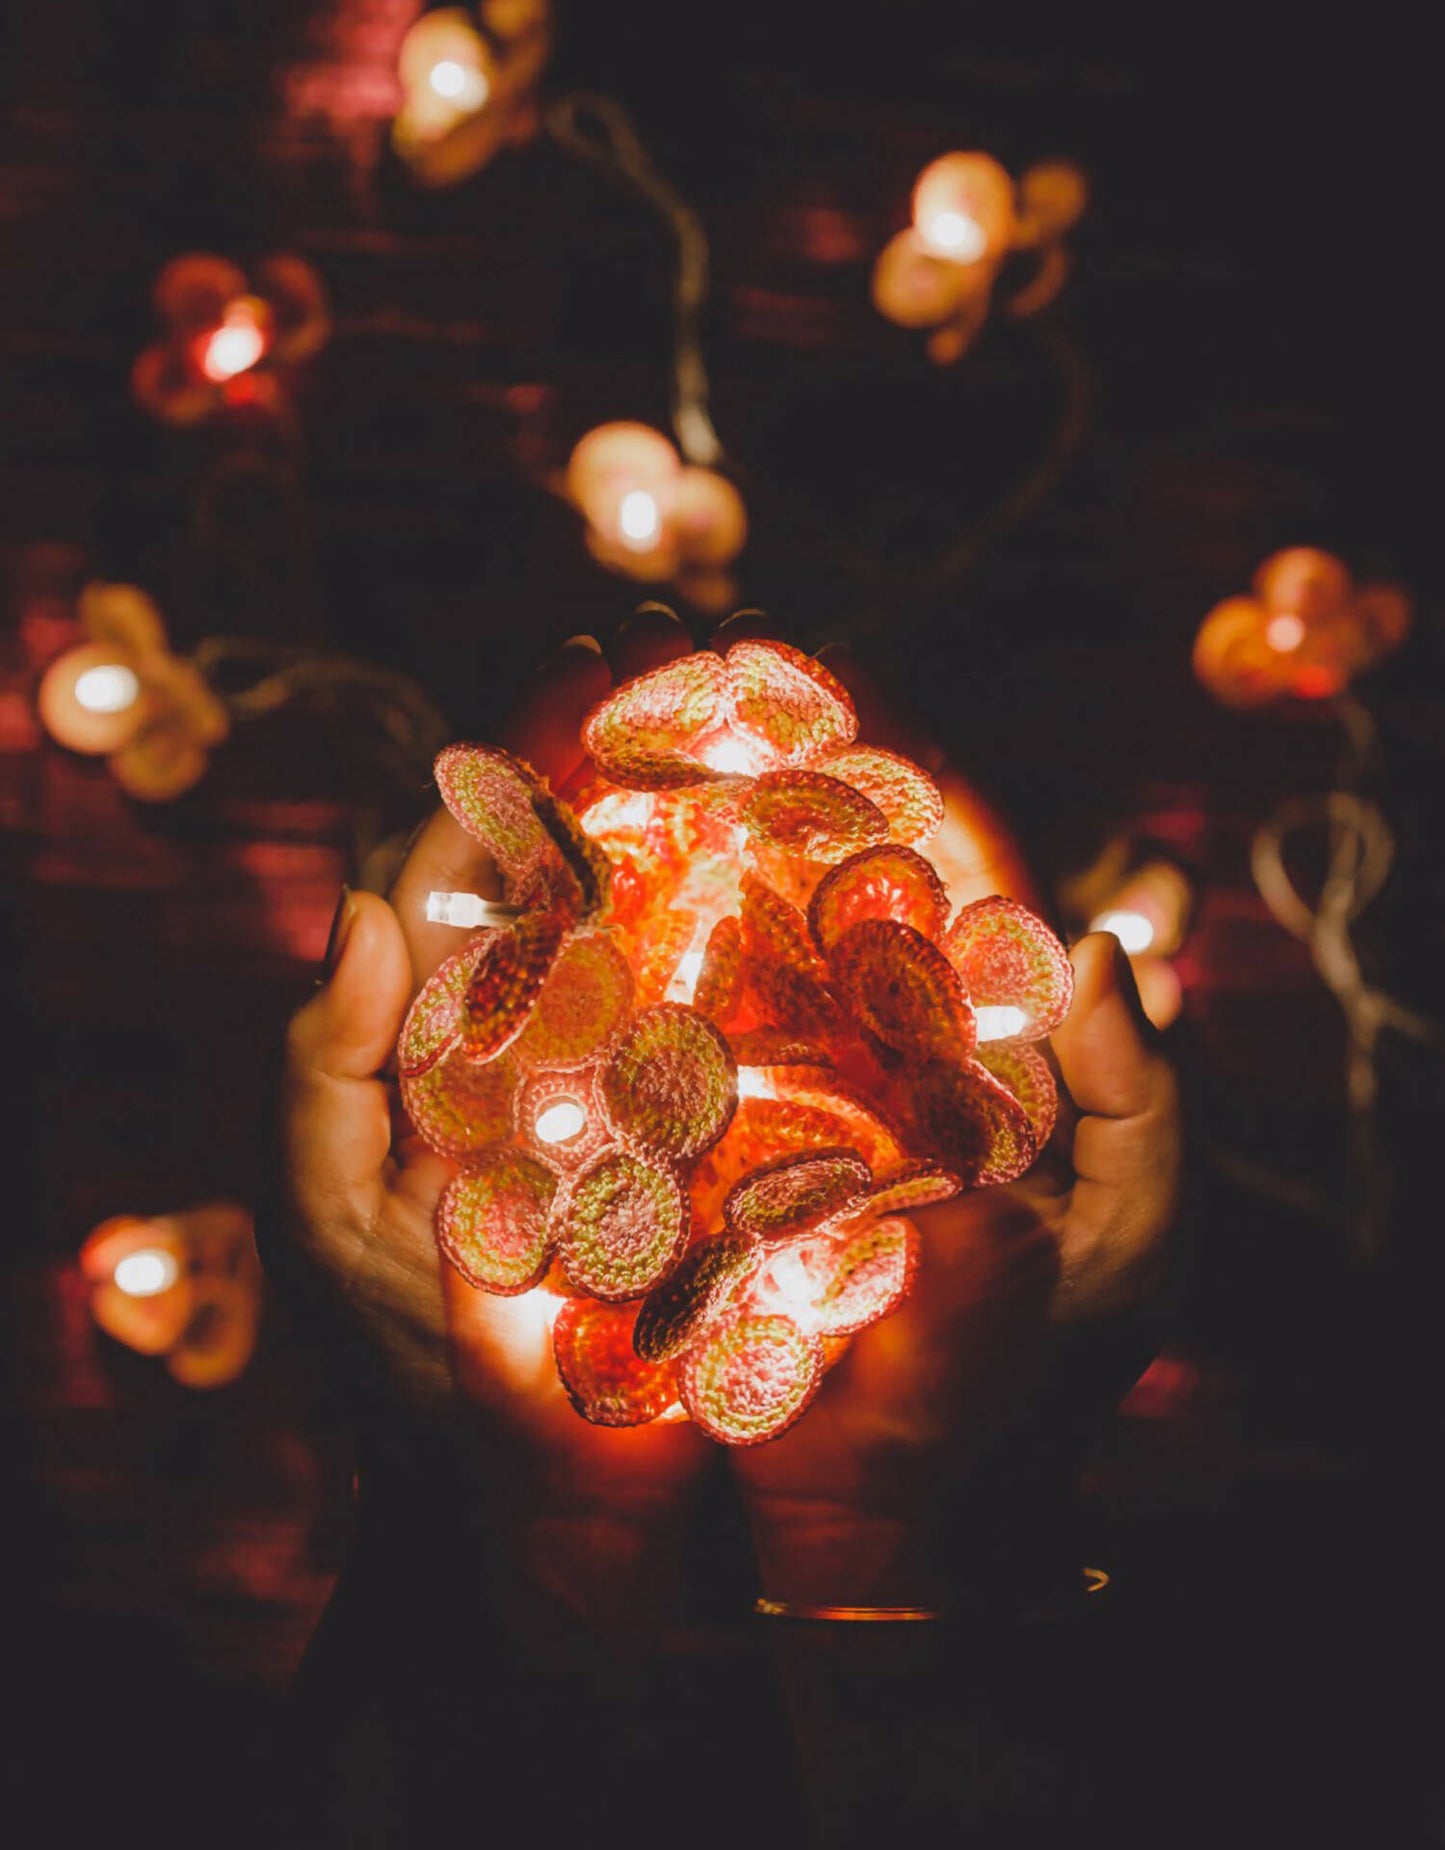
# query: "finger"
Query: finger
444,858
545,727
1128,1146
974,850
652,636
746,626
336,1129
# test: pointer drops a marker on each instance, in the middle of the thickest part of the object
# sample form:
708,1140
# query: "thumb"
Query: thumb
336,1126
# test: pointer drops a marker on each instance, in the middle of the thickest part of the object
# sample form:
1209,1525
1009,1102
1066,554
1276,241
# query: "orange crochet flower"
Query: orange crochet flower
184,1286
968,219
124,695
732,1041
651,517
469,86
1306,632
220,329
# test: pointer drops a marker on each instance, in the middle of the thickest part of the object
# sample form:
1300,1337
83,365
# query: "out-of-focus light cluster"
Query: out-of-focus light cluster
226,335
124,696
184,1287
735,1036
652,517
1145,899
469,86
969,221
1305,631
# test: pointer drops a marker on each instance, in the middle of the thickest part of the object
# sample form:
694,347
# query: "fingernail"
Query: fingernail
341,923
582,642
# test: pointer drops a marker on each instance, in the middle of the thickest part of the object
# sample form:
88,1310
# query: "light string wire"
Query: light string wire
598,130
1360,854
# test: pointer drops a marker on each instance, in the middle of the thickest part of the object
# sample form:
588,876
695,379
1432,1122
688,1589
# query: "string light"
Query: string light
638,1078
1132,929
469,84
143,1274
968,217
235,346
1305,632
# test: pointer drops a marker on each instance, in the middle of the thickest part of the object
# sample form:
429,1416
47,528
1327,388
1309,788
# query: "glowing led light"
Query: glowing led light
448,78
730,755
560,1121
751,1084
956,235
467,910
999,1024
1132,929
110,688
145,1274
639,519
234,347
791,1288
688,971
1284,632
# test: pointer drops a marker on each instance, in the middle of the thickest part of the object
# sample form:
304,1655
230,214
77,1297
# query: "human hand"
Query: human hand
845,1507
589,1509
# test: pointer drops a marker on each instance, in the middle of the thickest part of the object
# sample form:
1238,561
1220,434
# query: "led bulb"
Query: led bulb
560,1121
639,519
956,235
1000,1023
1285,632
147,1273
235,346
1132,929
110,688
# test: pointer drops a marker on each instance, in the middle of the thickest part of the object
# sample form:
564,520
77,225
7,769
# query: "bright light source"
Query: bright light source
684,981
639,519
1001,1023
1284,632
560,1121
146,1274
111,688
1132,929
789,1287
468,910
448,78
731,755
468,88
956,235
751,1084
234,347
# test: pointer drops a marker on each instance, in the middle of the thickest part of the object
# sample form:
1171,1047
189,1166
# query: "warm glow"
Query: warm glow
560,1121
751,1084
147,1273
1132,929
733,756
790,1287
110,688
1284,632
468,89
467,910
1000,1024
955,235
688,971
639,519
234,347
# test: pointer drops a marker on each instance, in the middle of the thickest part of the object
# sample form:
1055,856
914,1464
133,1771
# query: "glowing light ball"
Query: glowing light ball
469,84
1305,632
653,518
125,696
734,1036
219,327
968,216
184,1287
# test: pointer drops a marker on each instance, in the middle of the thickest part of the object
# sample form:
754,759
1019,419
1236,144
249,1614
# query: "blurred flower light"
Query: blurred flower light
469,86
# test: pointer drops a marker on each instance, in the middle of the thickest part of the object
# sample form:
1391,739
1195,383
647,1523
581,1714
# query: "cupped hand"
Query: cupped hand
845,1506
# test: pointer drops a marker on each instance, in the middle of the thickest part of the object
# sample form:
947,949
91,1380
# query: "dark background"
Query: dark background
1247,326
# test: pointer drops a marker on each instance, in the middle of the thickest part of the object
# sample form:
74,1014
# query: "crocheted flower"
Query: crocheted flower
1307,631
184,1286
469,86
968,221
651,517
124,695
733,1039
226,337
